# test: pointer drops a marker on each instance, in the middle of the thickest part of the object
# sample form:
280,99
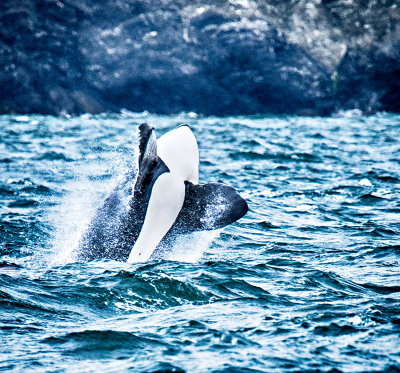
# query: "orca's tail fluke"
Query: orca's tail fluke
208,207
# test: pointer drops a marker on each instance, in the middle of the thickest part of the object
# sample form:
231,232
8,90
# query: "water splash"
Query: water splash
84,195
190,248
72,216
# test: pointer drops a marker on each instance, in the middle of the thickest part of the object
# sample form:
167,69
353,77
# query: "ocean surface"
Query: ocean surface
307,281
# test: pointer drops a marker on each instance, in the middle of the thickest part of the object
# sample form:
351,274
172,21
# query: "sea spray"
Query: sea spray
83,195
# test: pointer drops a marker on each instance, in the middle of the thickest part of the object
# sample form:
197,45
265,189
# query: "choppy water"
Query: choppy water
308,280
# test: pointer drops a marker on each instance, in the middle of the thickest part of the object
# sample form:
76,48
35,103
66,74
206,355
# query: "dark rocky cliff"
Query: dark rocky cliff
212,57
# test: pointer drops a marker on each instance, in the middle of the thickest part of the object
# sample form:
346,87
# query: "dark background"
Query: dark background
212,57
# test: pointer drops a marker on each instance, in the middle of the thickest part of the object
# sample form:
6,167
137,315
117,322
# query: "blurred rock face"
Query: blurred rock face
212,57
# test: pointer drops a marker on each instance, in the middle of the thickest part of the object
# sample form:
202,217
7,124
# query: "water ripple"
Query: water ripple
308,280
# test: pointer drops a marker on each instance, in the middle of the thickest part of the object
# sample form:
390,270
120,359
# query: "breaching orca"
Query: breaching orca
158,202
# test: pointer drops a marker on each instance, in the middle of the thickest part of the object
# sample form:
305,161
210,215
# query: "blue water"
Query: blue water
308,280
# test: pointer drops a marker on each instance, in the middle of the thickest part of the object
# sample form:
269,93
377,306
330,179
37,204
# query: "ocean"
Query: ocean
307,281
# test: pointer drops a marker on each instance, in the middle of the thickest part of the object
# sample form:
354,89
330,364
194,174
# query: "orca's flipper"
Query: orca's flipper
207,207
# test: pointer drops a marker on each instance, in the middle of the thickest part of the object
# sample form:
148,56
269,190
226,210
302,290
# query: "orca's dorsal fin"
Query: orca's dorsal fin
147,144
148,158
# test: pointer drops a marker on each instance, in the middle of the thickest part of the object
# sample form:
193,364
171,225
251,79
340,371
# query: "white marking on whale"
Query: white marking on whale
179,151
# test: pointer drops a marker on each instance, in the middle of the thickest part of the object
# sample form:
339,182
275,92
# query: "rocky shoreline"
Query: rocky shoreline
221,57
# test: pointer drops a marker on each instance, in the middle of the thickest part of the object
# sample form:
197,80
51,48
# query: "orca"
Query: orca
158,201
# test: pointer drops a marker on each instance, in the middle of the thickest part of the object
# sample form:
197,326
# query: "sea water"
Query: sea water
308,280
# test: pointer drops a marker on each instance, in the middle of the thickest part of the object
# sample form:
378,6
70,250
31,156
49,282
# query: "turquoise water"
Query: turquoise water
308,280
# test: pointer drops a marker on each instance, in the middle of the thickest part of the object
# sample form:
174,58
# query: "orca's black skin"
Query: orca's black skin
117,223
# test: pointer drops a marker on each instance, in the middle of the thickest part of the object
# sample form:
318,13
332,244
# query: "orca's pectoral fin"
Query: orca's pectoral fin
209,206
